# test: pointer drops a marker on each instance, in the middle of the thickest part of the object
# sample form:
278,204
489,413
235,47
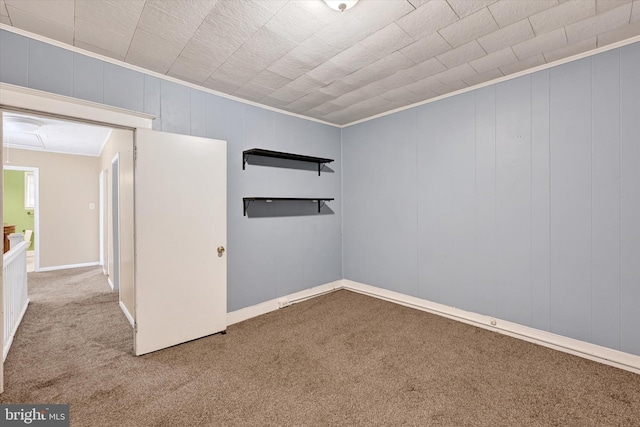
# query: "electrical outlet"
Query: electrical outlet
92,206
282,303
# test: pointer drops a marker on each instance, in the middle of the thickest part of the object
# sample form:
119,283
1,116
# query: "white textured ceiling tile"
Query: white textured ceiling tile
99,50
211,54
420,71
133,6
337,88
387,40
295,22
301,105
238,71
494,60
344,31
233,21
3,9
291,66
460,72
108,16
531,62
465,53
469,28
427,19
418,3
159,65
353,97
192,71
463,8
274,102
451,87
507,36
619,34
159,22
426,48
272,5
37,24
58,11
379,14
381,68
154,46
323,109
401,94
287,94
263,48
318,97
221,85
425,84
635,12
89,33
484,77
564,14
508,12
604,5
601,23
543,43
305,84
570,50
252,91
5,20
328,72
271,80
354,58
424,93
196,12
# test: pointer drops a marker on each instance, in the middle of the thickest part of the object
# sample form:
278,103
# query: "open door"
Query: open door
180,235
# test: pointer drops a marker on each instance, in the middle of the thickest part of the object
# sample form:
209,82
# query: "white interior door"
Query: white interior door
180,222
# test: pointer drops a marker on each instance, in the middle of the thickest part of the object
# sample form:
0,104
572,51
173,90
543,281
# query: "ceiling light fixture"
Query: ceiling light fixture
340,5
21,124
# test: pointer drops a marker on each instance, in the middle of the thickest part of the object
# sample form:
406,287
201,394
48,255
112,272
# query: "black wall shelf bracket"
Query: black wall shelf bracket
321,161
246,201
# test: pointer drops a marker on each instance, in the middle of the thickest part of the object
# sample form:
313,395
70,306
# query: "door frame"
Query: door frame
115,223
18,98
36,210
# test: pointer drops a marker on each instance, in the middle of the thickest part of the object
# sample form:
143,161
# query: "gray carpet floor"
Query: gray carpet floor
342,359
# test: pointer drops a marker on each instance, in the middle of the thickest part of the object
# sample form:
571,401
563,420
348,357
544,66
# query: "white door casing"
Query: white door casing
180,221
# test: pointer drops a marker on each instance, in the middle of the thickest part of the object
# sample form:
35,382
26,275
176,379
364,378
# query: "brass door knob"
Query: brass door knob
220,250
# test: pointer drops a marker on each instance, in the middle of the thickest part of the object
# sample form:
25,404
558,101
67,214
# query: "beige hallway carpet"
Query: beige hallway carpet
342,359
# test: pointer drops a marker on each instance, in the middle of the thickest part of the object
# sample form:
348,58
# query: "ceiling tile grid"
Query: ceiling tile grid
305,58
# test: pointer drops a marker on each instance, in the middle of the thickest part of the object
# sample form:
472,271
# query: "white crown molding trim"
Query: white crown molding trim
61,106
15,147
246,313
607,356
127,314
606,48
155,74
65,267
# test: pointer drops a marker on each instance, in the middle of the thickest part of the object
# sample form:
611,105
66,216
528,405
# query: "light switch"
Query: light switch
92,206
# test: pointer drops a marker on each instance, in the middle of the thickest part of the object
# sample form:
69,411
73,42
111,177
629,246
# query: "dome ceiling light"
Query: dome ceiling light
341,5
21,124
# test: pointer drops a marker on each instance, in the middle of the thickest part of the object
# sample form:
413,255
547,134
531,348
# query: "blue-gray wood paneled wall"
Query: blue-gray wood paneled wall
267,257
519,200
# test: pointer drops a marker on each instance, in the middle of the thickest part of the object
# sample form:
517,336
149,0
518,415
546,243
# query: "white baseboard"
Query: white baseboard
274,304
110,283
65,267
127,314
607,356
7,344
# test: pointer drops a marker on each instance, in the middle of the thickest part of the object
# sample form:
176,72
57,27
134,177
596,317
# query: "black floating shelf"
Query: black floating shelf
247,200
288,156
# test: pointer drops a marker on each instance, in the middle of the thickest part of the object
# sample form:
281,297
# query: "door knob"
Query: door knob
220,250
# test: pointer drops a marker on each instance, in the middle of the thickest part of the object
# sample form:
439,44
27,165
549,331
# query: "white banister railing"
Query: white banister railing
14,276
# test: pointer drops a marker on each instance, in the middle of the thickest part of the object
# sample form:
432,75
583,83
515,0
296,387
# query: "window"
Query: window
29,190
